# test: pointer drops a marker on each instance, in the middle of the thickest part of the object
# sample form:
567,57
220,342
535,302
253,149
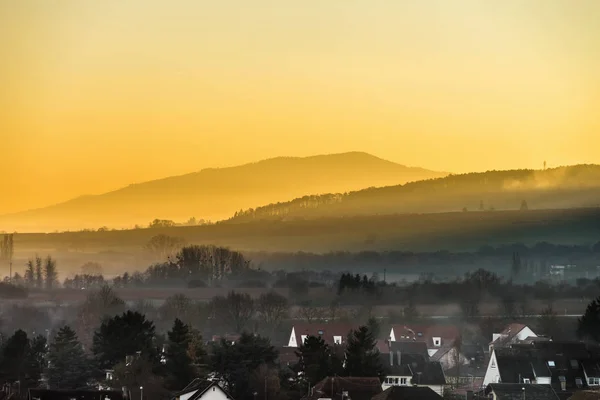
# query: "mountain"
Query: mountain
563,187
217,193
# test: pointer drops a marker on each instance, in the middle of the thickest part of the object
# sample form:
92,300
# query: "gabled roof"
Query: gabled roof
514,391
46,394
419,368
408,393
326,331
357,388
426,333
213,386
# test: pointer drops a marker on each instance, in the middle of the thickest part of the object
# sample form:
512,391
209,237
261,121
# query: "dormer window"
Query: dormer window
574,364
526,380
337,340
551,364
437,341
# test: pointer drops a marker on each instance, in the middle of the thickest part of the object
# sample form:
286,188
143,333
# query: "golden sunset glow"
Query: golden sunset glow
100,94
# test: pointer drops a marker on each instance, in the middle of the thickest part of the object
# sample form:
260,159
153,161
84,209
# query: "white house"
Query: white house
204,390
564,365
513,333
412,370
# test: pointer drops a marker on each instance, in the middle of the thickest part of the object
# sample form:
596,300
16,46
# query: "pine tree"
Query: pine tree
30,274
50,273
39,275
588,326
68,365
180,370
362,356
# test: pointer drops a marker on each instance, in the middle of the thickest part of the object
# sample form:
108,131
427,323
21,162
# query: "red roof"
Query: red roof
426,333
326,331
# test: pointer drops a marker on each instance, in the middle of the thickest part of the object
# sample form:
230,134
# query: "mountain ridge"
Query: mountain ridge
216,193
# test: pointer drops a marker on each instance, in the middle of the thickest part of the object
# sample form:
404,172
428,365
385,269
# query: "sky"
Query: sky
100,94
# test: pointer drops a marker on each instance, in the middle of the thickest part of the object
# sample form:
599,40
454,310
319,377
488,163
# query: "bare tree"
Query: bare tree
91,268
164,246
310,312
272,308
235,311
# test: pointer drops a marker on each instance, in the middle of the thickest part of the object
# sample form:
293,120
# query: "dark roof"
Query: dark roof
558,360
45,394
325,330
410,347
196,384
514,391
586,395
357,388
408,393
417,366
426,333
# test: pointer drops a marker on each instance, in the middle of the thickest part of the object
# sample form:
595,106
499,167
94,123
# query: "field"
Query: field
123,250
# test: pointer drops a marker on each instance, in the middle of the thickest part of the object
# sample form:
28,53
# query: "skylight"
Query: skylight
551,364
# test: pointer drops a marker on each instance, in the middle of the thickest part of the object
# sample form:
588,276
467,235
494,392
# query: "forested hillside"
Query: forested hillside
564,187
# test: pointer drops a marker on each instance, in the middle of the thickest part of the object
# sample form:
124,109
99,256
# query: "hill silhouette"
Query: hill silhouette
216,193
563,187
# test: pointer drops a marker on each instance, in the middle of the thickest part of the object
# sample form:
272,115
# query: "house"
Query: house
466,354
434,336
202,390
513,391
566,366
412,370
407,393
345,388
331,333
513,333
466,376
227,337
46,394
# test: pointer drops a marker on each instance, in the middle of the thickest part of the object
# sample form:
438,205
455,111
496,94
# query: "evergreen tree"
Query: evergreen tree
121,336
589,323
30,274
68,366
50,273
362,356
180,370
315,359
21,359
39,274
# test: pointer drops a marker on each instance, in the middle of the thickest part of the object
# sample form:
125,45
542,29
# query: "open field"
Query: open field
123,250
568,307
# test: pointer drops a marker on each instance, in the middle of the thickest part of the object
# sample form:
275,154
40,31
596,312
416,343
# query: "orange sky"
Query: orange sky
99,94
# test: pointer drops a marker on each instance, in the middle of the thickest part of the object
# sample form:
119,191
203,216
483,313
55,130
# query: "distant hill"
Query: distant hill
214,194
563,187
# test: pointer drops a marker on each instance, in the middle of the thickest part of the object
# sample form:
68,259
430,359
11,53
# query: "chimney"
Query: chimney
563,383
399,358
391,358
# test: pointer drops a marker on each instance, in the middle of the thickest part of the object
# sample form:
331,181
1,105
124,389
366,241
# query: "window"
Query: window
320,332
395,381
594,381
574,364
526,380
303,338
420,334
578,382
403,381
337,340
437,341
551,364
